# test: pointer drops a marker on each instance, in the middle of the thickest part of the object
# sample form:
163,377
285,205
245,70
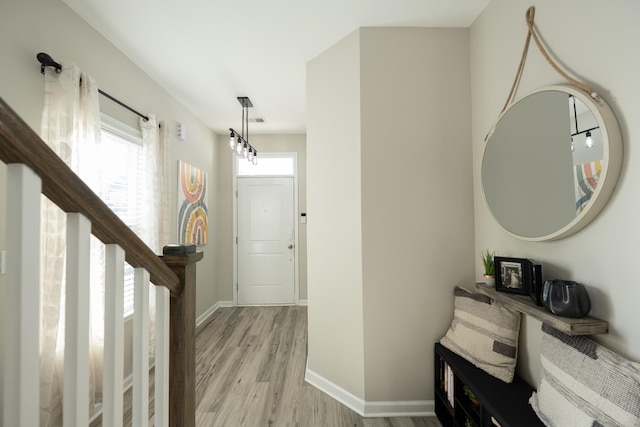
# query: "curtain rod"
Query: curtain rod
47,61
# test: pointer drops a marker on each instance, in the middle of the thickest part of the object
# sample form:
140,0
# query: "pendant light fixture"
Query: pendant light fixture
588,142
238,141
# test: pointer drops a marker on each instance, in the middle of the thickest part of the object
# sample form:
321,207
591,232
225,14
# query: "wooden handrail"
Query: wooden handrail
20,144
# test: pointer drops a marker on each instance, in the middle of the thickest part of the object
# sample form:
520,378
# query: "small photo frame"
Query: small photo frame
513,275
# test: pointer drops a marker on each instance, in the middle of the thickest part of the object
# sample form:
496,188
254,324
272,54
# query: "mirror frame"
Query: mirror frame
612,159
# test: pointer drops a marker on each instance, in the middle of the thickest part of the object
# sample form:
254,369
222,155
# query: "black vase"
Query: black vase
566,298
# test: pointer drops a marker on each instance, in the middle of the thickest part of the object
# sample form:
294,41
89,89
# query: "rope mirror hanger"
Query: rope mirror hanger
529,16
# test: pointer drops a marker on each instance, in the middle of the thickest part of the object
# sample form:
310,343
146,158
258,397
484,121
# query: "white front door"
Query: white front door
266,265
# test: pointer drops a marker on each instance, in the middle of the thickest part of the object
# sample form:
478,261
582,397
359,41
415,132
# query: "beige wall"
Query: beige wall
599,49
291,143
334,248
417,200
394,187
31,26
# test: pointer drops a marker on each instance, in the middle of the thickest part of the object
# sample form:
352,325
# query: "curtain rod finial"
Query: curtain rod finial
47,61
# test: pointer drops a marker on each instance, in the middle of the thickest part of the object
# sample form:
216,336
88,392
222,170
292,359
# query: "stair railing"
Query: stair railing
34,169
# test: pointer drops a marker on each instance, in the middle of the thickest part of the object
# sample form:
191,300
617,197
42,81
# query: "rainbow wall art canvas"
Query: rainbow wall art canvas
193,212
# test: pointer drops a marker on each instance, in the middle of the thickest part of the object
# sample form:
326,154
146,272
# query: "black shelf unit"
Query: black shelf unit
507,404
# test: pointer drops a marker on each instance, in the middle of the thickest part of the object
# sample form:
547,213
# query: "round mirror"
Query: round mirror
551,163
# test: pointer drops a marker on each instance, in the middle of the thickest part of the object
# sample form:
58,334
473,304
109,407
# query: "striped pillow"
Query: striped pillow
585,384
485,333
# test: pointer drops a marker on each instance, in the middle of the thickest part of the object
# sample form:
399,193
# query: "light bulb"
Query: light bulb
572,147
232,142
255,157
589,141
239,147
250,155
245,151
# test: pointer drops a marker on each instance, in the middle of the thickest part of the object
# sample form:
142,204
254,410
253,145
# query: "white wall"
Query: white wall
390,201
597,42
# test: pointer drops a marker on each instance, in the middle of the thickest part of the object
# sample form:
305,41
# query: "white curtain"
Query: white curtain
155,229
163,192
155,138
71,127
70,119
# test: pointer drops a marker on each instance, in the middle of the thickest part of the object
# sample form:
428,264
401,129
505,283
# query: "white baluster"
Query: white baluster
113,365
77,321
140,410
161,370
21,300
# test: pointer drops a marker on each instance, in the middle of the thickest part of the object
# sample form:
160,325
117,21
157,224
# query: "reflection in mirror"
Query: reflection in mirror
586,145
545,163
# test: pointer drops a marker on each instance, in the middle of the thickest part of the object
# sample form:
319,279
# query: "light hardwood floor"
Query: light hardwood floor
250,372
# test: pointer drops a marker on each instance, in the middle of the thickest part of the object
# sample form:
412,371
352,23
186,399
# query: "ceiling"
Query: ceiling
206,53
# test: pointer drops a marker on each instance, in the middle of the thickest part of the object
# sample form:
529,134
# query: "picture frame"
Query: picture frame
514,275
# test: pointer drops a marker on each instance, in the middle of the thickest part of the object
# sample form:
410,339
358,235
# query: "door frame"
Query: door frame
296,268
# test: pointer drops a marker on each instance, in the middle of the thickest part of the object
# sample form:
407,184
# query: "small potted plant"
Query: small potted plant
472,397
489,267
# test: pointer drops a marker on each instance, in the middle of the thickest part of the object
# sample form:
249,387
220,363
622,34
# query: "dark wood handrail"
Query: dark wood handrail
20,144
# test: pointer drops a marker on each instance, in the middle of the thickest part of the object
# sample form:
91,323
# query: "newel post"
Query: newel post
182,259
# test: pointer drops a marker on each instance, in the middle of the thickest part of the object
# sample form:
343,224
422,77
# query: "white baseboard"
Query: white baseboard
414,408
408,408
204,317
338,393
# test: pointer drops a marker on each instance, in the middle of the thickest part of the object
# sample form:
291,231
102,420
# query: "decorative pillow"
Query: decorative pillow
485,333
585,384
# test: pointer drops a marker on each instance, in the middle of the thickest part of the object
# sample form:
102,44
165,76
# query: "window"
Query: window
121,172
267,166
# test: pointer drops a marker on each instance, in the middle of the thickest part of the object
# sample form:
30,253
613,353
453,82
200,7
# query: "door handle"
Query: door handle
290,246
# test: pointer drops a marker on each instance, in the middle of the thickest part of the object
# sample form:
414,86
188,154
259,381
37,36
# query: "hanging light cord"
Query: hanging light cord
529,16
245,117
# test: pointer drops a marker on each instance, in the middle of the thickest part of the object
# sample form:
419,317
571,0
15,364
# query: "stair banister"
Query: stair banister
175,271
